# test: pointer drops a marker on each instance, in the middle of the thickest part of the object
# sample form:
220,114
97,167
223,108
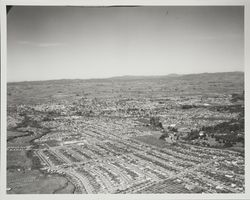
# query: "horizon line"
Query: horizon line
120,76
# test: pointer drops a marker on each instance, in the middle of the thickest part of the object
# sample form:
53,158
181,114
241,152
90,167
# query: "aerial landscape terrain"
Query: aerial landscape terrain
127,134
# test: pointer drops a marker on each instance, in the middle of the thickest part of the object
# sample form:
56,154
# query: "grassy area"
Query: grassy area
33,182
153,140
18,159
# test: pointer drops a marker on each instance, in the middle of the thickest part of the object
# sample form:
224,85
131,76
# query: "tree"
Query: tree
155,121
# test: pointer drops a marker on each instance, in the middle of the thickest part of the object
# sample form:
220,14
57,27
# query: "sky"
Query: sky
45,43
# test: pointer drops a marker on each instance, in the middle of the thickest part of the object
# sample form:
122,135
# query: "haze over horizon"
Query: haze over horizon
48,43
129,76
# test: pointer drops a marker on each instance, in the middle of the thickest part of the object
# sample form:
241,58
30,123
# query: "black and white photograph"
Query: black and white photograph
124,99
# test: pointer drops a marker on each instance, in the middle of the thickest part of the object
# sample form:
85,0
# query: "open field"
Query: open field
167,134
33,183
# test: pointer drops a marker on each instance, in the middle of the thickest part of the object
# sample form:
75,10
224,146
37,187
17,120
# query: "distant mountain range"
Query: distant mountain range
141,77
172,75
132,77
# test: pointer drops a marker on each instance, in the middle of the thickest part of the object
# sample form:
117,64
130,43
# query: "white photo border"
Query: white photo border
3,17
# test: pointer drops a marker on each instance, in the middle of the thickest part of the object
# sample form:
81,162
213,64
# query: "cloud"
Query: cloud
24,42
50,44
40,44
